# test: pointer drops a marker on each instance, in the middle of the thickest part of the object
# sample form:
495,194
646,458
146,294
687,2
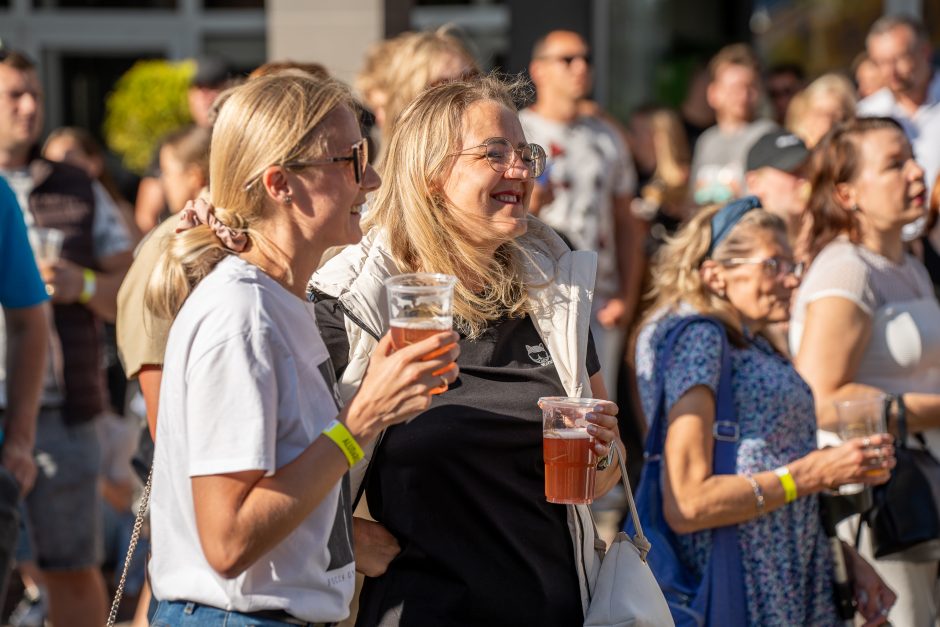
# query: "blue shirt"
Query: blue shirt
20,283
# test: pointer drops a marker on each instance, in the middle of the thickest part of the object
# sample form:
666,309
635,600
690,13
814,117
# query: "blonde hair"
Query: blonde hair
676,276
826,85
425,232
401,68
268,120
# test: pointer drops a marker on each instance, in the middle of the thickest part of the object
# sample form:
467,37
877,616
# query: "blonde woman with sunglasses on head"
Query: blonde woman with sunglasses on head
250,506
460,489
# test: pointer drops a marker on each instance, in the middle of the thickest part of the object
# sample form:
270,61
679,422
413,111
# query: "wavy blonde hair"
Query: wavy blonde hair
425,232
401,68
268,120
676,276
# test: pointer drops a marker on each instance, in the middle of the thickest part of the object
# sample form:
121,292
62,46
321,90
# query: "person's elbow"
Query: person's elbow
226,556
684,515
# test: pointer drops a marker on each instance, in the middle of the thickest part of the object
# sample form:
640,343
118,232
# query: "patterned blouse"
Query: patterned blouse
787,565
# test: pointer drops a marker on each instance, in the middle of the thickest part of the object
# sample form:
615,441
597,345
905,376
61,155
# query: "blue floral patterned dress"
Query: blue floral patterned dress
787,564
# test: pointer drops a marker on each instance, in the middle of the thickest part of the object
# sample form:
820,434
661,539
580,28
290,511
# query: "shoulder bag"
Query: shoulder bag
717,598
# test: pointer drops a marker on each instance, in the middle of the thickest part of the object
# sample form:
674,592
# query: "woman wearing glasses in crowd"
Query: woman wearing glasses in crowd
866,319
736,266
461,487
250,506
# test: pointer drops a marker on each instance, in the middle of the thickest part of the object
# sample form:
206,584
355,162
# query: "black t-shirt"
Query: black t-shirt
462,489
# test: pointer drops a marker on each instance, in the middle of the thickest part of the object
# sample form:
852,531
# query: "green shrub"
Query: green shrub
148,102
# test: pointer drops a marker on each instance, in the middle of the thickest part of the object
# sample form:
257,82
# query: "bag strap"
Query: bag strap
639,540
132,545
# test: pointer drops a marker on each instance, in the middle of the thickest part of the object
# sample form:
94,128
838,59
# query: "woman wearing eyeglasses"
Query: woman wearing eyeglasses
460,489
866,319
250,511
735,265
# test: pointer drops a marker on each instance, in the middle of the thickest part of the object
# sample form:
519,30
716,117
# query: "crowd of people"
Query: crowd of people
772,230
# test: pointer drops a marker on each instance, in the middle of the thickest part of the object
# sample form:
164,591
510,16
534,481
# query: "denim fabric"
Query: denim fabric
189,614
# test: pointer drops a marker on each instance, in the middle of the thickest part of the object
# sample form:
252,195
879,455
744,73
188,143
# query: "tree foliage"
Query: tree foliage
148,102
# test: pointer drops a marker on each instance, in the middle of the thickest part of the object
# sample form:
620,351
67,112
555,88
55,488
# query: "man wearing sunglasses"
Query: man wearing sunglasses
591,178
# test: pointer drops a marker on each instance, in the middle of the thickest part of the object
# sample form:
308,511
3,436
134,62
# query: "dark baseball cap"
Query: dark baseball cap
211,72
780,149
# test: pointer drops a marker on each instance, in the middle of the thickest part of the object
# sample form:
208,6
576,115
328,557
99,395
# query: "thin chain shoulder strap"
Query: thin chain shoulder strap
135,537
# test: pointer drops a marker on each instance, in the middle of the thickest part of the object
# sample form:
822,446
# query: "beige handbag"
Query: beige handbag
626,593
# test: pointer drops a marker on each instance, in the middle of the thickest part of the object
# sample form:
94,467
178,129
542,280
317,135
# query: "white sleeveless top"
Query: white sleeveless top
903,353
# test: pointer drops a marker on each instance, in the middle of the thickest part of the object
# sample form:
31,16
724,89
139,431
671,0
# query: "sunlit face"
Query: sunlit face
564,66
760,296
782,193
823,111
868,78
904,64
180,182
889,188
326,198
20,109
66,149
491,205
734,92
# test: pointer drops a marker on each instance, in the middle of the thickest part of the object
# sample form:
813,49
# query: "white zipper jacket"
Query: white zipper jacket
560,284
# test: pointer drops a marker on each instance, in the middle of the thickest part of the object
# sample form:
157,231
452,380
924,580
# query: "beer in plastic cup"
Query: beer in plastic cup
420,305
861,418
568,449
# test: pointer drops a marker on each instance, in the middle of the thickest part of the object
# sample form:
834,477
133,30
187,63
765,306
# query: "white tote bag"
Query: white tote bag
626,593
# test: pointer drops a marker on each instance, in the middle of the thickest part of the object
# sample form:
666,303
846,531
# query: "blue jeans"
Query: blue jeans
189,614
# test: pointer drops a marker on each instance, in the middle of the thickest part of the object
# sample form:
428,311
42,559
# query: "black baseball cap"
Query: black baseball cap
780,150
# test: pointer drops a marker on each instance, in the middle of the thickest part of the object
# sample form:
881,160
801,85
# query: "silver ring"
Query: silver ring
885,611
50,289
866,442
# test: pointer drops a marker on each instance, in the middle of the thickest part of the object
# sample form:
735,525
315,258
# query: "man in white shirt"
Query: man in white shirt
592,182
899,46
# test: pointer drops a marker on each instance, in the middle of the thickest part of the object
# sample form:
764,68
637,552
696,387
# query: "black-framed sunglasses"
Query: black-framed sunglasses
501,155
359,155
568,59
774,267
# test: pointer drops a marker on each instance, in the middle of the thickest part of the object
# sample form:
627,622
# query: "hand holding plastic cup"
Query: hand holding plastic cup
420,305
568,449
862,418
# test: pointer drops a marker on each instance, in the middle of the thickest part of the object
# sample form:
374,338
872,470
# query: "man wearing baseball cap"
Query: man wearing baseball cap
775,174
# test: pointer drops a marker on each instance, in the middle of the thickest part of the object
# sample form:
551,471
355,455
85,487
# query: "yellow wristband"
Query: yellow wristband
789,485
89,287
338,432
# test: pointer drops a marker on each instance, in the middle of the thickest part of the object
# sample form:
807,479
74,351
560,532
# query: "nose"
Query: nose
518,169
370,179
914,171
29,102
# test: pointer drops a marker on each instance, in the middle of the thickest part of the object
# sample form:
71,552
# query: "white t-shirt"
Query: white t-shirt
718,162
247,385
589,167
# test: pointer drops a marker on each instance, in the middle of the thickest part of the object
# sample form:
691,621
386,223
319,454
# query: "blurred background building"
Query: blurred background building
643,50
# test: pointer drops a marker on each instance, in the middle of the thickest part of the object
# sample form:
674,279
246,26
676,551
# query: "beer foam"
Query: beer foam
568,434
435,323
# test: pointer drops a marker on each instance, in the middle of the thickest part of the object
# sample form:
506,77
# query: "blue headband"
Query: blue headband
727,217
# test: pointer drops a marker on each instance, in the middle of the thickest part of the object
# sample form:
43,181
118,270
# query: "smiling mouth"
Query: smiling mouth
507,197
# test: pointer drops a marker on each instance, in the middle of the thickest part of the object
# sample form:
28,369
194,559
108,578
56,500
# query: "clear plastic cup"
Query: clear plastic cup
419,305
46,243
861,418
568,449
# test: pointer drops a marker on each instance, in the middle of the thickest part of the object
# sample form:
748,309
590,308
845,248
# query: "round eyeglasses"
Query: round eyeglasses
501,155
774,267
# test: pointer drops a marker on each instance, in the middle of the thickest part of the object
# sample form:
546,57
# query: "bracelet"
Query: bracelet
789,485
91,284
341,436
758,494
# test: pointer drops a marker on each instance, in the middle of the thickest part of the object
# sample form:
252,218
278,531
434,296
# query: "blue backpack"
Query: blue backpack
717,599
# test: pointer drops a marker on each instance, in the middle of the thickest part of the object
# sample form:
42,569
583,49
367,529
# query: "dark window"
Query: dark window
233,4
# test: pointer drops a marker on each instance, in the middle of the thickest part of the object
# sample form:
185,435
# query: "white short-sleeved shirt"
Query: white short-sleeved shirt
247,385
903,353
589,167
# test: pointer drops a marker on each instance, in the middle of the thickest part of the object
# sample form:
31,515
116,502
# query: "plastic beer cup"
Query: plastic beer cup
46,243
861,418
568,449
420,305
